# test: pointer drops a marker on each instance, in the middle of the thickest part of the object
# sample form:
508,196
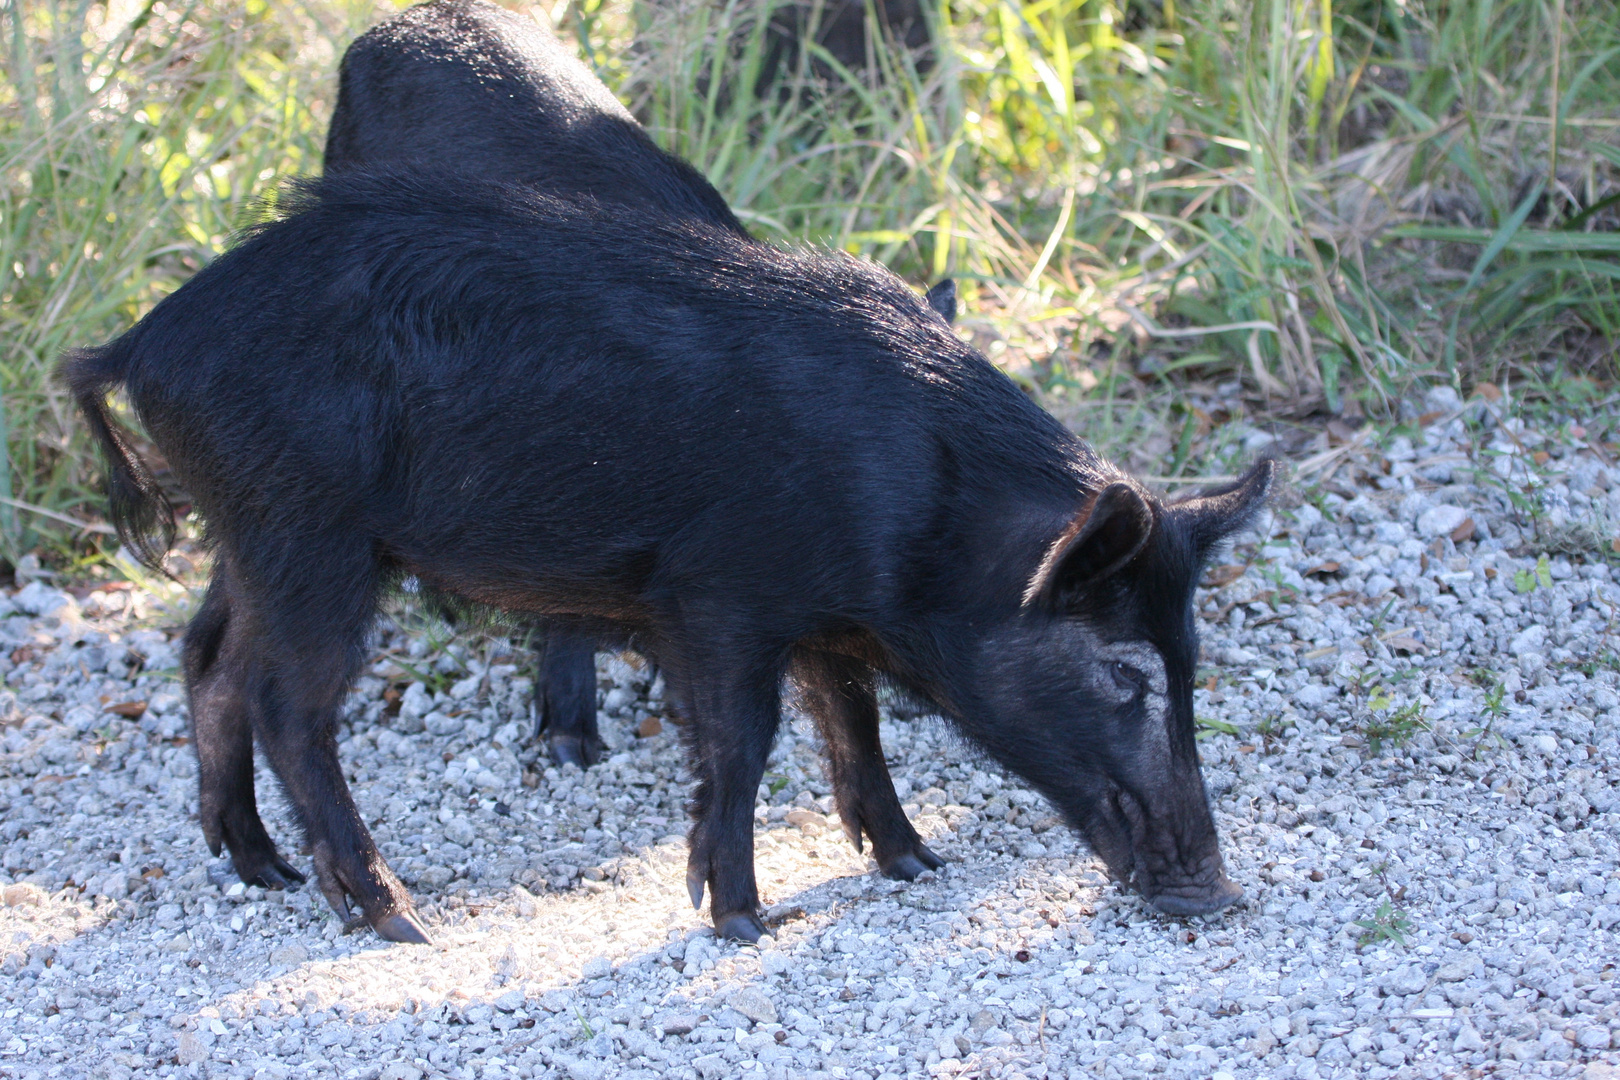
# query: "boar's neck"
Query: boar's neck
1002,498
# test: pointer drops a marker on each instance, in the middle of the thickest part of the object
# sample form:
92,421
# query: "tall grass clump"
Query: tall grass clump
1323,202
1327,201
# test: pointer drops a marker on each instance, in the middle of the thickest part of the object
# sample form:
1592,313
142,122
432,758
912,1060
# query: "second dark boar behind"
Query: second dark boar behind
756,460
468,85
465,85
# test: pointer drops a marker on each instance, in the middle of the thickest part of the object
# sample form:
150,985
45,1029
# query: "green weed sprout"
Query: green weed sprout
1388,923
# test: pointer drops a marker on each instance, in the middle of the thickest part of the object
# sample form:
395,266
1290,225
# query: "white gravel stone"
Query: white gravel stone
1440,521
752,1003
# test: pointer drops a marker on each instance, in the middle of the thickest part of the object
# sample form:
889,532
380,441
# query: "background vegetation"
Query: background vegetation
1311,207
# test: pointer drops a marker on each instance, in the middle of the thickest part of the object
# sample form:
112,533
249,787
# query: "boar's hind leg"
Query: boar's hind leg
215,659
309,637
839,692
566,696
729,737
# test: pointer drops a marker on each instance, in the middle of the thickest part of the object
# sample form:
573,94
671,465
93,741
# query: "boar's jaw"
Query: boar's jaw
1172,859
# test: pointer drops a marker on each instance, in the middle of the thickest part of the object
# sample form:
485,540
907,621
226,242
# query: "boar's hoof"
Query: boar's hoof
908,865
573,750
1206,901
744,926
404,927
275,873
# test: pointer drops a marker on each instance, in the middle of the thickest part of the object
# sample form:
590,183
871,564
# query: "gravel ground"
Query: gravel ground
1412,725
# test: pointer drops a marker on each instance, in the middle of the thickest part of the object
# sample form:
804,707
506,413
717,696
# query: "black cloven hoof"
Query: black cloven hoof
906,867
404,928
744,926
276,873
695,881
573,750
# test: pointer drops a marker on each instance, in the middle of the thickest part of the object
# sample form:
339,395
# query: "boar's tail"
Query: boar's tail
140,511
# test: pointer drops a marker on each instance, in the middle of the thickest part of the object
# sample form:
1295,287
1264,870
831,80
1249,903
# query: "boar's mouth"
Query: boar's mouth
1149,857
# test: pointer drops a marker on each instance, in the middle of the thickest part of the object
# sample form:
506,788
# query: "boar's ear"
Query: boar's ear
1211,516
942,298
1105,536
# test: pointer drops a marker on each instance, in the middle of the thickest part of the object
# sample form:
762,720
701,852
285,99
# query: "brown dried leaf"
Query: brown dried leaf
1340,432
1223,575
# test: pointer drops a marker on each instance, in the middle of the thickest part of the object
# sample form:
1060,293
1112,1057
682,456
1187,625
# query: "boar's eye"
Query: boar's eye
1129,678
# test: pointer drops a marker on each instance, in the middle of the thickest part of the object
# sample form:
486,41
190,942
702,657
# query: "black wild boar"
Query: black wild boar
761,462
840,27
843,52
465,84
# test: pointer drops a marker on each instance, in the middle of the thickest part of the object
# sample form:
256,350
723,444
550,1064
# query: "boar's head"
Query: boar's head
1089,691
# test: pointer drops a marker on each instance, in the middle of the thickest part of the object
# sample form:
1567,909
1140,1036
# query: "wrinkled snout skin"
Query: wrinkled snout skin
1153,825
1172,857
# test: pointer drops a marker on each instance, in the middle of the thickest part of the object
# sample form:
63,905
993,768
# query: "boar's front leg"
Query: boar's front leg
565,695
733,720
215,667
840,693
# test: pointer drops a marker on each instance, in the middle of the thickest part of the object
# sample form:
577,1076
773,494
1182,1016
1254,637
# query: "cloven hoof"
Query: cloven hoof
744,926
404,928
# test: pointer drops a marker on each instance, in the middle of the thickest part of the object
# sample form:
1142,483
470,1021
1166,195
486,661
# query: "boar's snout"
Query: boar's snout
1198,899
1172,859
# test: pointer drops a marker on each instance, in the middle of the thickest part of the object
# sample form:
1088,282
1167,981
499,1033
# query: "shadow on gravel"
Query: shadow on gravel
624,979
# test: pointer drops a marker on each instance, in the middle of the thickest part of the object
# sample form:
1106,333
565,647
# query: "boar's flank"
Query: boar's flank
759,461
